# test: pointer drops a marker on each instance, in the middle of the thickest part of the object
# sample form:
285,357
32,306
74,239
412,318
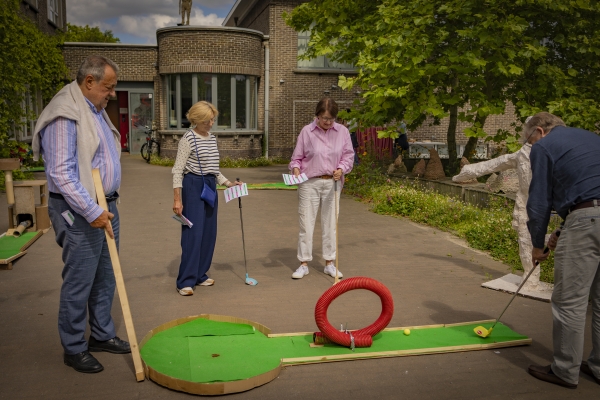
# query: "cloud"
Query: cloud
145,26
138,20
82,12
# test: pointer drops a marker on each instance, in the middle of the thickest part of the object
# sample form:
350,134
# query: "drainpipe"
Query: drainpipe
267,83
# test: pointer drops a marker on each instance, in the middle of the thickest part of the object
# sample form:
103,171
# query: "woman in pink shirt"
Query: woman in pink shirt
324,153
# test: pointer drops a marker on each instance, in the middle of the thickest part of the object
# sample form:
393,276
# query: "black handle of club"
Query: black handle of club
239,198
537,263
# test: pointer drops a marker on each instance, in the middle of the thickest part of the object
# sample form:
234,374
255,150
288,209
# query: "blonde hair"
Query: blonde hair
544,120
200,112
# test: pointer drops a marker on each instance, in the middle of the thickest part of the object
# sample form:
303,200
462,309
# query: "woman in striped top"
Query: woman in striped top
197,164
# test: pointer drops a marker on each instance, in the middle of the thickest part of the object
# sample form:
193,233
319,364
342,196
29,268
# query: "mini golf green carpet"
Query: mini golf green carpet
266,186
206,351
10,246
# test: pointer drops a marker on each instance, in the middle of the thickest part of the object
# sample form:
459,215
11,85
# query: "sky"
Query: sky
136,21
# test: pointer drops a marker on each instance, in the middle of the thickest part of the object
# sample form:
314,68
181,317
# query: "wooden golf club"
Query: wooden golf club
114,258
483,332
337,278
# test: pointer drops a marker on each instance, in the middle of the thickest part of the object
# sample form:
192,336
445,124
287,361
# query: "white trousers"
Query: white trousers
311,194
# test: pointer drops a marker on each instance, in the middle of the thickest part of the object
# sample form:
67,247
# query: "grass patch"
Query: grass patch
227,162
162,161
486,229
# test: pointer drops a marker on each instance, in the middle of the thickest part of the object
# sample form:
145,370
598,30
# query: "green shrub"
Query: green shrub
18,175
227,162
162,161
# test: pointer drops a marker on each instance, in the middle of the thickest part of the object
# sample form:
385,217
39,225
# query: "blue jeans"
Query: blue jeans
88,278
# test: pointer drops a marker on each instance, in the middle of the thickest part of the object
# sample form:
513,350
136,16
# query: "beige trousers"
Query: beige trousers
311,194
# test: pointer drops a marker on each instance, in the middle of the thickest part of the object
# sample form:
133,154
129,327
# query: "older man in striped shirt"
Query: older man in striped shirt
74,135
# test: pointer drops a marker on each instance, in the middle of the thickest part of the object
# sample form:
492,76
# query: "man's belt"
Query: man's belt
324,176
109,197
585,204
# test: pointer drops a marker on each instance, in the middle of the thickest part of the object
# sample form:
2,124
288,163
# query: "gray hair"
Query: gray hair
544,120
95,66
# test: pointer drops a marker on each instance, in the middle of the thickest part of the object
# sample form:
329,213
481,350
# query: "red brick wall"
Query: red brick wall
136,62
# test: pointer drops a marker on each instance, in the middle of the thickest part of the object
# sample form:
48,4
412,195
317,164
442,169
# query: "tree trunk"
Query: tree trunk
469,152
451,139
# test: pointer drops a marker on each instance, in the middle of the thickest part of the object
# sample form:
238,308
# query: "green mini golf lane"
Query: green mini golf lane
205,351
10,245
271,186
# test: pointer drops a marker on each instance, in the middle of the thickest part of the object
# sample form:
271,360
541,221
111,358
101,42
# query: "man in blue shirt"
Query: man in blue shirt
74,135
565,164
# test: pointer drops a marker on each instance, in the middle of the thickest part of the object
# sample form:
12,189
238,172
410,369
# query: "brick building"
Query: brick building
248,68
50,16
160,83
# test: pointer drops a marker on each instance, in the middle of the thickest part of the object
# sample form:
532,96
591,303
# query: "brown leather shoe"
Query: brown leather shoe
546,374
585,368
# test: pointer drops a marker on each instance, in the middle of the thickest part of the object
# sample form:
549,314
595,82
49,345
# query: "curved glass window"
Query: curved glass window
235,96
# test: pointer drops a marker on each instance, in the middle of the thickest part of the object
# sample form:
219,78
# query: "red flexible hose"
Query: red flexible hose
362,337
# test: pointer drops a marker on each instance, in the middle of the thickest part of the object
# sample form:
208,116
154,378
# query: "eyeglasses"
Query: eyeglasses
531,134
327,119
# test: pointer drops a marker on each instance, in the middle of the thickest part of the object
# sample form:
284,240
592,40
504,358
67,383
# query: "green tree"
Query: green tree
462,59
88,33
30,61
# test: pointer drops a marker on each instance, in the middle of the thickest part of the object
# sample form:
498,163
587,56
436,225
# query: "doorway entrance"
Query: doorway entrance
131,111
141,117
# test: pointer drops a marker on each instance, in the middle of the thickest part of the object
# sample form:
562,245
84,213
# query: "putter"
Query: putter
483,332
249,281
337,278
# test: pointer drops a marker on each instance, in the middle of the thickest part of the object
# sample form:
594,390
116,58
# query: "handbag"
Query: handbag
209,195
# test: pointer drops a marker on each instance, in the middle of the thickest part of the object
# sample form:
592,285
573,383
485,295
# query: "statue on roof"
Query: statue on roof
185,7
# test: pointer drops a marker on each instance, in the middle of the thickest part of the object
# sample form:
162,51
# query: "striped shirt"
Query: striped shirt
320,153
190,147
59,151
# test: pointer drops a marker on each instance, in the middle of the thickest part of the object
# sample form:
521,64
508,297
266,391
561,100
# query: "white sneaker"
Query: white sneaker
186,291
330,270
300,272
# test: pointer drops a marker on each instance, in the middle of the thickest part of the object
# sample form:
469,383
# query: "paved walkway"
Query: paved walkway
433,278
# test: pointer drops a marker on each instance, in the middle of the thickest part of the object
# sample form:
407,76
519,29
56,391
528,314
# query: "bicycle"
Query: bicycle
150,146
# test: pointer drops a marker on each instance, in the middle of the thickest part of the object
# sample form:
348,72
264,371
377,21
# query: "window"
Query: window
224,96
320,62
54,12
32,106
233,95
